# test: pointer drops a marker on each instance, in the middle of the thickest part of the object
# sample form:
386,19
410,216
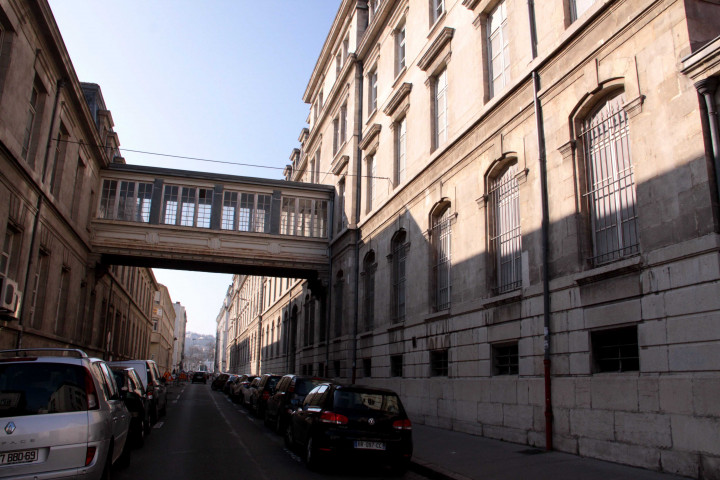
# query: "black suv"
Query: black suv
352,421
259,396
198,377
289,395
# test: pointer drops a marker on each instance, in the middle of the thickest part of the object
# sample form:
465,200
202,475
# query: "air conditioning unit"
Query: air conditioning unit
9,297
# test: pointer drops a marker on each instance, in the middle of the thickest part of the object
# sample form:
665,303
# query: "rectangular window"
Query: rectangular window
338,292
373,7
58,161
78,188
615,350
370,185
396,366
187,206
9,258
30,122
498,49
129,201
400,150
341,218
399,254
505,359
62,302
303,216
367,367
372,91
439,363
230,203
441,108
578,7
437,8
343,124
400,50
336,135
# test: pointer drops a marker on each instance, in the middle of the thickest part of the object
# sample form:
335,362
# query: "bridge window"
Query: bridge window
128,201
303,217
246,212
187,206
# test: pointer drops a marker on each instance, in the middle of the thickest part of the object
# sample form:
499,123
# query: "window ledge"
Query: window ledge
503,298
614,269
440,315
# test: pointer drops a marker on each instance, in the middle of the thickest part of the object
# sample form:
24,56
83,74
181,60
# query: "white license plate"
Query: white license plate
369,445
21,456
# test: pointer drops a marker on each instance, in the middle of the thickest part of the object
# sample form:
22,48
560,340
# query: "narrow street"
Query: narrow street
205,435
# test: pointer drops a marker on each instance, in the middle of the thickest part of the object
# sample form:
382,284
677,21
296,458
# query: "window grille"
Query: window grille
369,287
505,236
441,238
615,350
505,359
611,184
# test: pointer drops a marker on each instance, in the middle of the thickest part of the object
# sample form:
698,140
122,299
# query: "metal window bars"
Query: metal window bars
505,235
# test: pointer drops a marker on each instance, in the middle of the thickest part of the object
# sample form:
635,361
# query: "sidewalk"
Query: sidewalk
443,454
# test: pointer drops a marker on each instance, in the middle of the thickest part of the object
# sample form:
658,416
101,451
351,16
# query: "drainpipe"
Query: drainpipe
358,186
38,209
545,266
707,88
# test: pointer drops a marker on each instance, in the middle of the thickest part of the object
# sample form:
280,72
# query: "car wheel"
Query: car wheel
288,437
140,434
124,459
311,458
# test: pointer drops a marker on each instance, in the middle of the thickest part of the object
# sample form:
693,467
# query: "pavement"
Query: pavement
441,454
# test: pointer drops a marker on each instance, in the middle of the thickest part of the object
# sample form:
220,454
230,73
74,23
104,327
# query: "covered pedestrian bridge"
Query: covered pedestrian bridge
164,218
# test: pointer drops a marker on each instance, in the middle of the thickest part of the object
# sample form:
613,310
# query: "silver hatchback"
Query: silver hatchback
61,416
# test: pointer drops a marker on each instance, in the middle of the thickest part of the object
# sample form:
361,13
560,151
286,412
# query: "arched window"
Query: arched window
610,181
441,236
399,253
504,225
369,267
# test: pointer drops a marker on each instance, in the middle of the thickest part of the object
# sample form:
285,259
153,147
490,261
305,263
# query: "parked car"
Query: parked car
153,383
289,394
235,388
136,400
247,390
62,415
265,388
231,379
351,421
199,377
219,381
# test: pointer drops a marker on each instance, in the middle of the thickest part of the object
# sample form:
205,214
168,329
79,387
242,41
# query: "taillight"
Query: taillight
89,455
334,418
150,391
266,395
90,392
402,424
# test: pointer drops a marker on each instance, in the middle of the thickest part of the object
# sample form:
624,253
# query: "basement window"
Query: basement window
615,350
505,359
439,363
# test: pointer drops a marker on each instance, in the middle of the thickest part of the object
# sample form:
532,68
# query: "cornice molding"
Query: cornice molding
368,136
397,98
441,41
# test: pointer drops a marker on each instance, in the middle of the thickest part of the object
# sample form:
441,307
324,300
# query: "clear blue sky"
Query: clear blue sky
218,79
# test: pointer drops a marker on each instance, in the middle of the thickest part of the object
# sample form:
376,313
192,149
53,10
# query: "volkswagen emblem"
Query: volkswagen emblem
371,421
9,428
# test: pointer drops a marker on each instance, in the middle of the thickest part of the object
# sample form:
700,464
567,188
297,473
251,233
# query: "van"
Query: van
153,383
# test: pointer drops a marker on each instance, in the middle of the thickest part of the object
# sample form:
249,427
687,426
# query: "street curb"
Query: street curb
434,472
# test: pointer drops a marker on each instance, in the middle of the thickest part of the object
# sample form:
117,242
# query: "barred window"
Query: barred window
615,350
441,235
439,363
505,237
369,288
505,359
611,183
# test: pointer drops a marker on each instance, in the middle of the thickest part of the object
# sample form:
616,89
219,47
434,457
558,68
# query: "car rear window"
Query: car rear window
304,385
363,402
40,388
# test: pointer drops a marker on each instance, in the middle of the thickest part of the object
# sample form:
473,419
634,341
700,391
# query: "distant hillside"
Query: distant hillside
199,351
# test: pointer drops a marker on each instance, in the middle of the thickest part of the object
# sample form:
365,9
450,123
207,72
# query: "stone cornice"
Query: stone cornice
369,135
397,98
437,46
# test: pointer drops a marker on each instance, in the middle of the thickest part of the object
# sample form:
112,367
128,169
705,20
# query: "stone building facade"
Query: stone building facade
525,237
55,135
162,342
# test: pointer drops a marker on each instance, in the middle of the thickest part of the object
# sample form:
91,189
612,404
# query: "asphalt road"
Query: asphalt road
205,436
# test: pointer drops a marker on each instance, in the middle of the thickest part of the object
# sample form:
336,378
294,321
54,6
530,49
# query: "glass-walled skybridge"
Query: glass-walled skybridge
167,218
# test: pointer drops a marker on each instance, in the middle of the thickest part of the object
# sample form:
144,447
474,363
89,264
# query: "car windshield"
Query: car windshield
346,401
40,388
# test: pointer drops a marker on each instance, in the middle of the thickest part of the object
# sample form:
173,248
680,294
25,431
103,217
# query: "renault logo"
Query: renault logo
371,421
9,428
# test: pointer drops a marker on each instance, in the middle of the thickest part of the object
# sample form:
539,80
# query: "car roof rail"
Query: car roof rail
45,351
